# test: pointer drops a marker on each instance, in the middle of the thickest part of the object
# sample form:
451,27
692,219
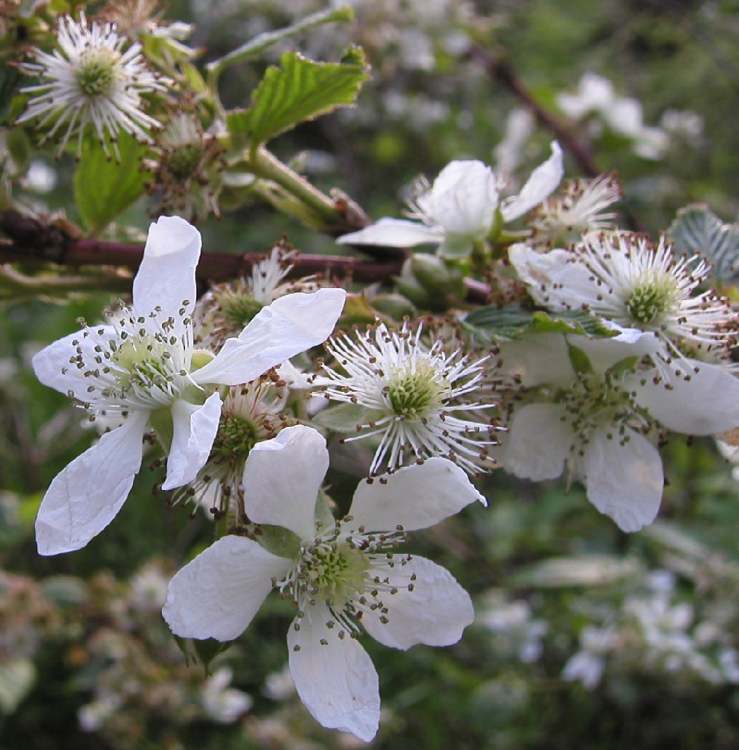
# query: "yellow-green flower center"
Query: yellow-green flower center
650,300
235,438
142,361
335,572
237,306
96,72
414,392
184,160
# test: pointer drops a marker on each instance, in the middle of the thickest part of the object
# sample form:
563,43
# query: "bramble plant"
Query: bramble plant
499,328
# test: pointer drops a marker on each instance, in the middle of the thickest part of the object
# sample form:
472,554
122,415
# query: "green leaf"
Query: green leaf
342,417
513,322
697,229
578,359
104,187
296,91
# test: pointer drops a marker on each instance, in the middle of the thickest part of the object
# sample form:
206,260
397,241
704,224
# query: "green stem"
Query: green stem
254,47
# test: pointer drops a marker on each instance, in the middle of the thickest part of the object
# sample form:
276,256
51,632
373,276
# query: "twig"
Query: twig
32,241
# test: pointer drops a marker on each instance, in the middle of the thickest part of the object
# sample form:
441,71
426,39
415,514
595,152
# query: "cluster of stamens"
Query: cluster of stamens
352,571
414,397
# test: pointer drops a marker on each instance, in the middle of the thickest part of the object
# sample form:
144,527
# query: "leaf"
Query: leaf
585,570
298,90
513,322
579,360
342,417
16,679
696,229
104,187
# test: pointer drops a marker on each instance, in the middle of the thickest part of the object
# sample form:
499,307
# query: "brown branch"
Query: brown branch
34,241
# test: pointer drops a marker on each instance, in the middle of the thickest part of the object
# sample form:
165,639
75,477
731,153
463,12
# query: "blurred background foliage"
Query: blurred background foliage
585,637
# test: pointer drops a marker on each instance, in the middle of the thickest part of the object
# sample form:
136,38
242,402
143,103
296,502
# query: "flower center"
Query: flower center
237,307
184,161
334,572
96,72
650,300
142,362
414,392
236,437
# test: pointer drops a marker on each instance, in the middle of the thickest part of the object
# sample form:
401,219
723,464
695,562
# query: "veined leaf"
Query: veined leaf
512,322
104,187
297,90
697,229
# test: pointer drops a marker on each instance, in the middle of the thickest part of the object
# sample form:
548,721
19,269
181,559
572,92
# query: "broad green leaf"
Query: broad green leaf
297,90
16,679
512,322
104,187
342,417
697,229
585,570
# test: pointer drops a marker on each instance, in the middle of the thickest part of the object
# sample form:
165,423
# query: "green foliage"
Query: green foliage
104,187
506,323
297,90
696,229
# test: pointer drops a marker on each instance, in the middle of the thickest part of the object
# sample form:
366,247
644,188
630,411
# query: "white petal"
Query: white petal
336,682
282,477
542,182
217,594
290,325
463,199
436,612
52,364
706,404
538,359
414,497
194,430
88,493
393,233
166,276
538,442
624,481
552,279
603,353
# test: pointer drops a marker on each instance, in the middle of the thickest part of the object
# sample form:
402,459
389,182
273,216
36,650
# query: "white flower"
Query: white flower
581,208
601,422
222,703
339,574
90,80
460,208
625,279
141,367
412,396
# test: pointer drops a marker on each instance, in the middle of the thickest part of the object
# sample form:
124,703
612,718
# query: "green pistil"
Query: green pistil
96,73
238,307
337,573
236,437
413,394
184,161
142,362
649,301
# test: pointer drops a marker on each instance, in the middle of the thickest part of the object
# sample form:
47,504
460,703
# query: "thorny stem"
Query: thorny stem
30,241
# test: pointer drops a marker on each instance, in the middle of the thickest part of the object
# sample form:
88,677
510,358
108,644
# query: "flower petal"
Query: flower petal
217,594
542,182
394,233
706,404
435,612
290,325
194,430
282,478
335,679
88,493
624,481
166,276
463,199
538,442
414,497
54,369
538,359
